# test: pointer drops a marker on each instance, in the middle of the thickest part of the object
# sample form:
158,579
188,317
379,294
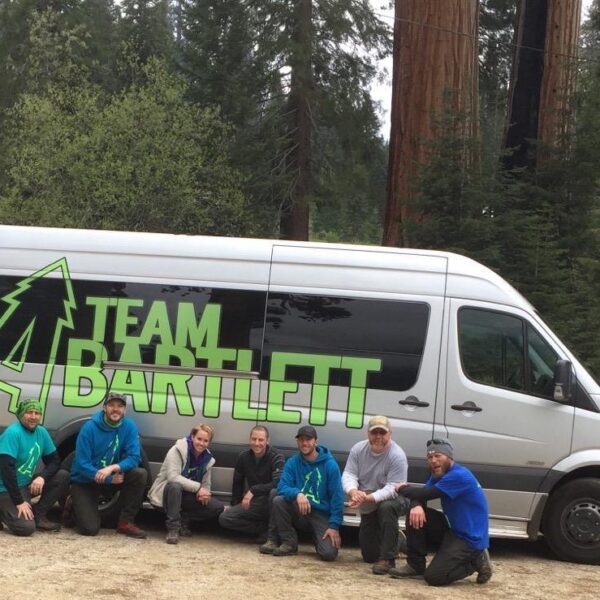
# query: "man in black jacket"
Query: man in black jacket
22,445
257,472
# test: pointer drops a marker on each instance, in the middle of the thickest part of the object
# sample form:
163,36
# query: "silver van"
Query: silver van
240,331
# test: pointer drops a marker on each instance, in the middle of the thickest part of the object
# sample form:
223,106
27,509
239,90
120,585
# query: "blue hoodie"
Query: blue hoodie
100,445
319,480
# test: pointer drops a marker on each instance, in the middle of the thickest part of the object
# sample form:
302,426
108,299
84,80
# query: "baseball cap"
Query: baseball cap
307,431
379,422
115,396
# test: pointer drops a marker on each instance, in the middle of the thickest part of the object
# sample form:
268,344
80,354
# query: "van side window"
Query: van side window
504,351
390,330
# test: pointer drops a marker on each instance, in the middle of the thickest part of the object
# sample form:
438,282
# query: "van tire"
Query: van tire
572,521
108,506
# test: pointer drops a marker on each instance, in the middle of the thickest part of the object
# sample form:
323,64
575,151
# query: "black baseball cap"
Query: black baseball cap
307,431
115,396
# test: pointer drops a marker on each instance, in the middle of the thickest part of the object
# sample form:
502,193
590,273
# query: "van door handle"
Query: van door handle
467,406
412,401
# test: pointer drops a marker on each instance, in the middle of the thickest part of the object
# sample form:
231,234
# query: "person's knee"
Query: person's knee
435,577
88,529
137,476
327,554
388,508
22,527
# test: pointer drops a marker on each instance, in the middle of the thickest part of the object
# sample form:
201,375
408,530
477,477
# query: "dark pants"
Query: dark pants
183,506
378,533
86,497
286,518
53,489
454,558
253,521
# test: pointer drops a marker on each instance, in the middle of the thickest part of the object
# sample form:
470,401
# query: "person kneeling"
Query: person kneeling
182,487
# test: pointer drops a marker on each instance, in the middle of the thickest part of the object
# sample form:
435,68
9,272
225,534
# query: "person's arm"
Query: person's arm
173,466
350,474
83,454
239,477
276,467
8,470
131,449
287,486
419,496
51,465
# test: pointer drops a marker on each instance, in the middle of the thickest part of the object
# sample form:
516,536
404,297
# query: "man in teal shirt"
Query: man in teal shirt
22,445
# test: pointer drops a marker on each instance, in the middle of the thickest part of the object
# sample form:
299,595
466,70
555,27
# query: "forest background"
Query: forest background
191,116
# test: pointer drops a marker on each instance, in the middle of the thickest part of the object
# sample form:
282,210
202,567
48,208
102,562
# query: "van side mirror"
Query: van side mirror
563,380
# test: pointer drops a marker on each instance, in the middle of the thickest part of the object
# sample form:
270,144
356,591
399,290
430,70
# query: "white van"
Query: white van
239,331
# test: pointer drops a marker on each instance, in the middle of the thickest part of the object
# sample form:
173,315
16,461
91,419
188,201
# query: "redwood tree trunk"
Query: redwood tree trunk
295,220
430,61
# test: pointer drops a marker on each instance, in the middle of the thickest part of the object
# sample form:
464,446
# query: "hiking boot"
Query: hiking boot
172,536
131,530
382,567
44,524
404,571
68,518
269,547
185,531
483,566
285,550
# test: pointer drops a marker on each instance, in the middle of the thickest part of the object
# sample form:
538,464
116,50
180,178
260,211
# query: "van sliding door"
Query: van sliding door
350,334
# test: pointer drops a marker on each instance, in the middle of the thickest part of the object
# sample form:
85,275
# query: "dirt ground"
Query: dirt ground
214,564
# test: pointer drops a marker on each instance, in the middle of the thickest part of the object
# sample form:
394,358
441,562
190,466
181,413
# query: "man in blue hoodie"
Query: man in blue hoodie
310,497
107,455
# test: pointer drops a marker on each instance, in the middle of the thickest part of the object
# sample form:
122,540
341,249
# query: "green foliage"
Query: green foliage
144,159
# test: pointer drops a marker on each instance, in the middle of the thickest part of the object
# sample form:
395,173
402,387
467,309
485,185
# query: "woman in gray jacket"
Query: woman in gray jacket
182,487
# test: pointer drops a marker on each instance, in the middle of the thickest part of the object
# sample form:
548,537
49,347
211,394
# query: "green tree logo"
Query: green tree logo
22,305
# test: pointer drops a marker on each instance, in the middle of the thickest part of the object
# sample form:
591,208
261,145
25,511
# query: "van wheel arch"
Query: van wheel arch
572,521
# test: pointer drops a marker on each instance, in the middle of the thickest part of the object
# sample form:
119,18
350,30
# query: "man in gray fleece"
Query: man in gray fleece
373,468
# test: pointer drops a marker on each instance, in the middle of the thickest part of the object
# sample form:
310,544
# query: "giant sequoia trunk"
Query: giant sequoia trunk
543,78
435,57
295,220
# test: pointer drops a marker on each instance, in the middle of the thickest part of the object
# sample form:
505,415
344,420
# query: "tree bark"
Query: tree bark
295,221
435,57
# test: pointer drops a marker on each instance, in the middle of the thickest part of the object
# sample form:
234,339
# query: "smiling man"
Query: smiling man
310,497
374,468
107,455
460,532
256,474
22,445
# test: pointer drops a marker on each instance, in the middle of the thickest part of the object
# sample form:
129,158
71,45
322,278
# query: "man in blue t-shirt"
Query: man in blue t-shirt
22,445
460,532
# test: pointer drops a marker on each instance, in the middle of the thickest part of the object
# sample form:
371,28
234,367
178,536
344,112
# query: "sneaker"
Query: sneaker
483,566
269,547
172,536
131,530
68,518
285,550
44,524
404,571
382,567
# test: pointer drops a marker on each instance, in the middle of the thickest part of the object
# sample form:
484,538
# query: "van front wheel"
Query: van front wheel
572,521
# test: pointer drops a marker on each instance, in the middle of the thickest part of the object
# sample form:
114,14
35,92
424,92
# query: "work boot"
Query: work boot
285,550
185,531
131,530
382,567
44,524
269,547
405,571
483,566
172,537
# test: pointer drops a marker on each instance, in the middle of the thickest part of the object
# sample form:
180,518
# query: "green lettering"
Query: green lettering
197,334
357,394
242,390
84,387
124,320
278,388
157,324
100,314
132,382
177,382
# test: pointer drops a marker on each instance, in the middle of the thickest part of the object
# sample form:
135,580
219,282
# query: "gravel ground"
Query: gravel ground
214,564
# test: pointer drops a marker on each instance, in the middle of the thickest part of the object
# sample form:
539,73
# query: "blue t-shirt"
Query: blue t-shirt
464,505
26,447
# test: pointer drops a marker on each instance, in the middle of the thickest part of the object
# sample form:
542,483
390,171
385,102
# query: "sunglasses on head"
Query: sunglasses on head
435,441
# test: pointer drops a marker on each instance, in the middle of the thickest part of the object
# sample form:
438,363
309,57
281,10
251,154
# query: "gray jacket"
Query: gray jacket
170,471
